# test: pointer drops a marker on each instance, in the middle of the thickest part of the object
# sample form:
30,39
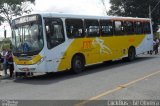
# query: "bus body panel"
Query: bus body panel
102,49
56,55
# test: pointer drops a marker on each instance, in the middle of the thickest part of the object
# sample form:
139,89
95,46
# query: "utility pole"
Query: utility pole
150,12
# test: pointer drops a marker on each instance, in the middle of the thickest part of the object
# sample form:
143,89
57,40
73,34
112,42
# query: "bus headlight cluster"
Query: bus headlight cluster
41,60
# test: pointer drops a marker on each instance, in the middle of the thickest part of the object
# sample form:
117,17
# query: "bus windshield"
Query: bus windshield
27,38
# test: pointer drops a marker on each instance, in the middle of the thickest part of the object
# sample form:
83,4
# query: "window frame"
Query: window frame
104,22
146,31
86,29
138,27
121,32
128,30
82,28
48,40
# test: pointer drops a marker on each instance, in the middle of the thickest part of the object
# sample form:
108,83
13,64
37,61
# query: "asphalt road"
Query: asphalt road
137,80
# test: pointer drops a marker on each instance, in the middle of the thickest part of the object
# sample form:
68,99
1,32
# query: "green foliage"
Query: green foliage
6,44
157,35
136,8
10,8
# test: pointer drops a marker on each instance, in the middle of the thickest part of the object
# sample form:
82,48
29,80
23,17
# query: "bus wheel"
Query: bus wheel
77,64
131,54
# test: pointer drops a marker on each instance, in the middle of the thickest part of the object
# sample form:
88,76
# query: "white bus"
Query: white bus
50,42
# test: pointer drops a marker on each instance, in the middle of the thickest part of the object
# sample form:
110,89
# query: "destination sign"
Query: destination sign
25,19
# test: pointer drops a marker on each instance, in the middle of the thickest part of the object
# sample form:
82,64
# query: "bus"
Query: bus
52,42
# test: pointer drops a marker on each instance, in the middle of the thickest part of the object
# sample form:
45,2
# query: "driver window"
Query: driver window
54,32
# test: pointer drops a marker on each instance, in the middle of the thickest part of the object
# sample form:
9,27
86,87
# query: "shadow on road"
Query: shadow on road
63,76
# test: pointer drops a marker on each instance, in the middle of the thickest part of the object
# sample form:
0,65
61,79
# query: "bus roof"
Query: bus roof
62,15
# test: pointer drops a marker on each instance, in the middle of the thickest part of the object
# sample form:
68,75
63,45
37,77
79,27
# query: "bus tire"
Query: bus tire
78,64
131,54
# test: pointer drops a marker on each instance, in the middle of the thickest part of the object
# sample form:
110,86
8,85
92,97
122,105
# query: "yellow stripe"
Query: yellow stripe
34,60
100,48
116,89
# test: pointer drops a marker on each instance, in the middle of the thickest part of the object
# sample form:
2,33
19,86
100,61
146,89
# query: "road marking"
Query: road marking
116,89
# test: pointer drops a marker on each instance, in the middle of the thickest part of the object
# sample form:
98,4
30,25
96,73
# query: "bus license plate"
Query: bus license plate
25,69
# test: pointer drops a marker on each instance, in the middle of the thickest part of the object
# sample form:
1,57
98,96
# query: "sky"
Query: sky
89,7
83,7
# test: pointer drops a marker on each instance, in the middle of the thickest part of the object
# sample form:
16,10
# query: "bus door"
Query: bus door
54,38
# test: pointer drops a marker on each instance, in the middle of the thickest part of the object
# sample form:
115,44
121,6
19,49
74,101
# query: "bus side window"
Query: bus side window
92,28
119,29
128,27
74,28
138,28
106,27
54,32
146,28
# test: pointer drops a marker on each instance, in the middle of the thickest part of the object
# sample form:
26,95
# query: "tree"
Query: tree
136,8
6,44
12,8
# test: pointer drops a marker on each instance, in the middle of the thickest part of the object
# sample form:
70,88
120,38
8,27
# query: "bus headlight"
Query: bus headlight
41,60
